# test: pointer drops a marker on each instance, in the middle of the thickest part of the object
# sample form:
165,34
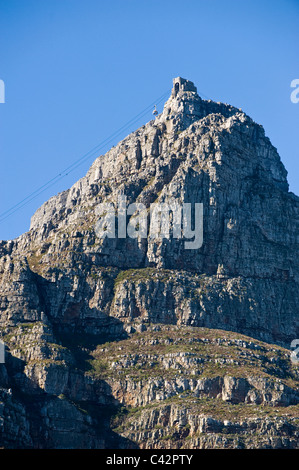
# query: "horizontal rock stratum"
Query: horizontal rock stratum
65,291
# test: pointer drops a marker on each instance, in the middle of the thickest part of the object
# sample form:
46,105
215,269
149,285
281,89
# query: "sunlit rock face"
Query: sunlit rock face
65,289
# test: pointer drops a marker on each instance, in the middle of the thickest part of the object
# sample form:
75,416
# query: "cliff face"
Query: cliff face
65,291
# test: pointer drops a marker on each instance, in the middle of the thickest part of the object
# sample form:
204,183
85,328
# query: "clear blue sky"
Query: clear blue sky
77,70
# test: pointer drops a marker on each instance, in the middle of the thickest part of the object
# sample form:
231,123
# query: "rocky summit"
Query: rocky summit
143,342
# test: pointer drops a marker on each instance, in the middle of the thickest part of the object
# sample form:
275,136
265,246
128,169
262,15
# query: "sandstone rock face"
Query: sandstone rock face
64,291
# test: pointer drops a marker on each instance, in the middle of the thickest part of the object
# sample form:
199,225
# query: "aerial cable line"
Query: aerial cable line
78,162
202,94
116,133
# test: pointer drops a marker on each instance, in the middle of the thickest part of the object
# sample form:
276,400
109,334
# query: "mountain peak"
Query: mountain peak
66,289
181,85
183,107
195,152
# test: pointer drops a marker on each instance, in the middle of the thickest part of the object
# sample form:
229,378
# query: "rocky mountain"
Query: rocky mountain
127,342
